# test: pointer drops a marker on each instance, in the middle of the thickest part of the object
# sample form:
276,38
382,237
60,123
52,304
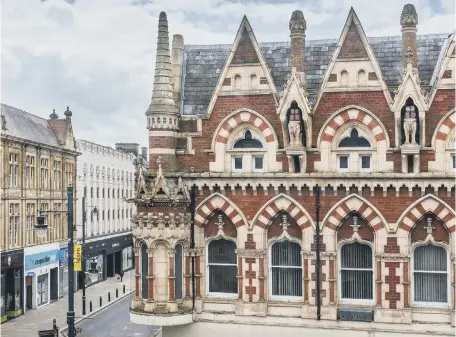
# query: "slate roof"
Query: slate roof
203,65
24,125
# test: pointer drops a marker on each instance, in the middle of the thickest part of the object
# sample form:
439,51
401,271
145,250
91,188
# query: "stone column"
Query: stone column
150,304
136,303
240,278
409,21
406,284
172,304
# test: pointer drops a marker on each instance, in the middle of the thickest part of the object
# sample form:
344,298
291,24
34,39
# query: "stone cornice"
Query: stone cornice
393,257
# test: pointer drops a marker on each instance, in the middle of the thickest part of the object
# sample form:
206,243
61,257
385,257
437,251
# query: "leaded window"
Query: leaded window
430,274
356,272
286,269
222,266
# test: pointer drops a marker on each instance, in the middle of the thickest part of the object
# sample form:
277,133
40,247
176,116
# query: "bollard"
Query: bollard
109,296
90,306
117,292
124,288
101,301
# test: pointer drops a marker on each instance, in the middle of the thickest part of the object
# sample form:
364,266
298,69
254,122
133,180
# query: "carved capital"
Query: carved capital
251,253
195,251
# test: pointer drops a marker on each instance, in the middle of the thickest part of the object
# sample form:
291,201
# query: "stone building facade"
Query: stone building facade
38,164
105,180
256,129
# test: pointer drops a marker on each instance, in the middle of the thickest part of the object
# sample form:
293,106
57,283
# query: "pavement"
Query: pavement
33,321
114,321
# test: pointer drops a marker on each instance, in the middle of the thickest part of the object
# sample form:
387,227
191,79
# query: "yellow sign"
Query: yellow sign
77,257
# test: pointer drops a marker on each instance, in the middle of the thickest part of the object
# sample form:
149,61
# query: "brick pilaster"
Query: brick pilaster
392,280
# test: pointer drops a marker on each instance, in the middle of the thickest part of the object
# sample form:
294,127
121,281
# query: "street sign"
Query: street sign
77,257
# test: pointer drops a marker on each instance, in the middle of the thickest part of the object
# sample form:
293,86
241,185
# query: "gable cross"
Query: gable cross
285,224
220,222
355,225
429,228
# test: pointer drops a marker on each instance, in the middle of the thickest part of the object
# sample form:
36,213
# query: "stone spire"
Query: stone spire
409,21
162,95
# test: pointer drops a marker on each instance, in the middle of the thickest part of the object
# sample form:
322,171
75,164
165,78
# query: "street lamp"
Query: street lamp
84,219
41,229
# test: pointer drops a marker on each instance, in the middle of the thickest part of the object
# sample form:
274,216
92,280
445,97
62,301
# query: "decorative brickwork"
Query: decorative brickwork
353,45
245,51
391,245
392,280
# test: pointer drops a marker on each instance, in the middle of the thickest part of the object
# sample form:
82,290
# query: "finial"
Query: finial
159,163
285,224
429,228
409,55
68,112
409,17
53,115
297,22
355,224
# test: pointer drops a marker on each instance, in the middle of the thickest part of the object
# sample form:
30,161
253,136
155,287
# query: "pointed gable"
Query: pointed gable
352,46
245,52
353,66
246,71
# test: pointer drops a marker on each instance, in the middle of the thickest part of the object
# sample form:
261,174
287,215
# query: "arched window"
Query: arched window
354,140
144,272
430,275
344,77
361,159
253,81
361,77
222,267
356,273
178,270
240,160
237,82
286,269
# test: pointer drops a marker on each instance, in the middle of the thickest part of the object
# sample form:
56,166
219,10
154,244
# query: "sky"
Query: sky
98,56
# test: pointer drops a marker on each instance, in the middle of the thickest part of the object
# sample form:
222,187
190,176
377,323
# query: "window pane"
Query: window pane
356,284
222,251
238,163
453,159
259,163
356,256
430,287
430,258
223,279
144,272
178,272
286,281
286,253
365,162
343,162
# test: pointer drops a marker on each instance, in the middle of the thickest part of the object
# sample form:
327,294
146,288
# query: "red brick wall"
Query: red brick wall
443,102
263,104
245,52
374,101
353,46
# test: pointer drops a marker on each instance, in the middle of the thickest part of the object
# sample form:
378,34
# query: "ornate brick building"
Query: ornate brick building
257,128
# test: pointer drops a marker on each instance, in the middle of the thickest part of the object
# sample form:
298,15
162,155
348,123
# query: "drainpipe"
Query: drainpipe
192,240
317,248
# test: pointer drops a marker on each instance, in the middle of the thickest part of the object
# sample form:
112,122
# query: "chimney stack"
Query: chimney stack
409,21
297,34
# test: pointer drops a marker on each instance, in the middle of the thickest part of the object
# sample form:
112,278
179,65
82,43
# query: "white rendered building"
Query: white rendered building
105,178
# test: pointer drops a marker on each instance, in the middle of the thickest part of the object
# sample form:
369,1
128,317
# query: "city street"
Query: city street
33,321
115,321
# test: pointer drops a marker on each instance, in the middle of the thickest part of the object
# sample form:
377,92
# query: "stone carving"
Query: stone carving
141,184
251,253
410,125
355,225
409,55
294,129
297,22
429,228
393,257
409,17
284,224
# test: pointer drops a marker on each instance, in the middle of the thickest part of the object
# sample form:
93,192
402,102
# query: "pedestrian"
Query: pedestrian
121,273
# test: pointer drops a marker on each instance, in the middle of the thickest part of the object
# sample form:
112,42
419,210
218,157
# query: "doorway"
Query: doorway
54,284
118,261
29,292
110,265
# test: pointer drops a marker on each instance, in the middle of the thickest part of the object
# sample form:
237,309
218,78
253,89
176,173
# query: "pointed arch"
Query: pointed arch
266,214
444,127
427,204
350,203
352,113
215,201
237,117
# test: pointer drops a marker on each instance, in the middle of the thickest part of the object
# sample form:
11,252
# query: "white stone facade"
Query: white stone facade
106,179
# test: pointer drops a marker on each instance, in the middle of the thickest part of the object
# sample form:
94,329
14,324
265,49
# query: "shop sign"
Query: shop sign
77,258
41,259
10,260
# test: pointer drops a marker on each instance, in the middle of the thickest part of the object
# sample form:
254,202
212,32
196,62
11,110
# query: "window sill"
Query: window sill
222,296
356,303
285,300
429,306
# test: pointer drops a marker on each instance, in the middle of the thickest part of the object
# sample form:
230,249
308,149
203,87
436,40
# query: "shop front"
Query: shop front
63,273
106,257
42,276
12,263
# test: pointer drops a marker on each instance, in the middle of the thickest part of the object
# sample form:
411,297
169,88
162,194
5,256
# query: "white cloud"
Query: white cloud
98,56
